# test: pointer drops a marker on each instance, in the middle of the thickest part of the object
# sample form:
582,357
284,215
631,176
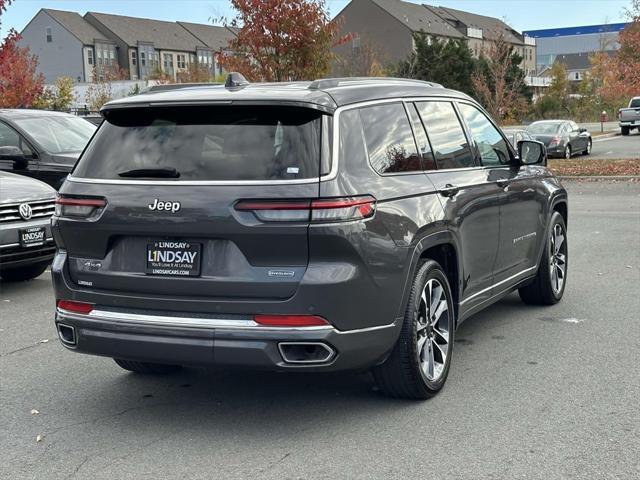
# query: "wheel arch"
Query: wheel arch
441,247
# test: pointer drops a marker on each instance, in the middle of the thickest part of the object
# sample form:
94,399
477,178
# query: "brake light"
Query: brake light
75,307
321,210
78,207
554,140
290,320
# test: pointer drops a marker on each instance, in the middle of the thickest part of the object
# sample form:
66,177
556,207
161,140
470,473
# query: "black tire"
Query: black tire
147,368
567,152
625,130
542,291
24,273
587,151
401,375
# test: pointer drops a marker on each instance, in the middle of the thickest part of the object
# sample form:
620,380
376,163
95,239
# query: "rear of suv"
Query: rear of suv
317,226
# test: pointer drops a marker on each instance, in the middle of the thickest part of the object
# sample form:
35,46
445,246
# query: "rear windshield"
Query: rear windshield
635,103
206,143
542,128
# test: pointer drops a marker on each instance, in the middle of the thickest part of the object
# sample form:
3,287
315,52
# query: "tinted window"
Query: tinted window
389,139
10,138
351,141
208,143
447,137
491,146
635,103
428,161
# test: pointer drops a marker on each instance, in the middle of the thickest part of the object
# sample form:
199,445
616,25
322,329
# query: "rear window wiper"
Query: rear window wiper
151,172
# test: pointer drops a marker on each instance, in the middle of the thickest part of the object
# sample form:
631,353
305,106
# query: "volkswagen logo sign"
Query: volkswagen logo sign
25,211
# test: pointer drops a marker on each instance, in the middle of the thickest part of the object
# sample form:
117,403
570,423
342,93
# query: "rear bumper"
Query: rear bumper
202,341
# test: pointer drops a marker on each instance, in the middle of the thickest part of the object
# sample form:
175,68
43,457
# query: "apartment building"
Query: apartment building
68,44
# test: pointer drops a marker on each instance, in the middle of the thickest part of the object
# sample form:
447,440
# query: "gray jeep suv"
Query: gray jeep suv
316,226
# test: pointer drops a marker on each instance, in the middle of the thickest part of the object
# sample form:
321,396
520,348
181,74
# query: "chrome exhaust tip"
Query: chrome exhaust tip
67,334
306,352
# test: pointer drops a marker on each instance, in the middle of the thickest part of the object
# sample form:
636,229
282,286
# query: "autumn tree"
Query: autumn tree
20,84
100,91
59,97
449,63
195,73
498,81
281,40
619,72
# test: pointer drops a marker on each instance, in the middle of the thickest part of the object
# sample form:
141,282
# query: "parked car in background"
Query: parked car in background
42,144
514,135
629,117
563,138
26,245
309,226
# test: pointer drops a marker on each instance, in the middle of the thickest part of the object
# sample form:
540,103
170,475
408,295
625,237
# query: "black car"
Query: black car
515,135
312,226
563,138
26,244
42,144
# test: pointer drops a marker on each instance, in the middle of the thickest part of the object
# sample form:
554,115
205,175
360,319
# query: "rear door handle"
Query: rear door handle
449,190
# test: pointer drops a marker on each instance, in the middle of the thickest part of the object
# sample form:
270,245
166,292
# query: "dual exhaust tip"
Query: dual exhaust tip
306,352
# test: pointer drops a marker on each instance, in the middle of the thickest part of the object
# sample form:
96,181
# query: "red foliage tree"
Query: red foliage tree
20,85
281,40
620,73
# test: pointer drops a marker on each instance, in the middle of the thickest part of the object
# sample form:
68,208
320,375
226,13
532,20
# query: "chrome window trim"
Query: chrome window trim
333,173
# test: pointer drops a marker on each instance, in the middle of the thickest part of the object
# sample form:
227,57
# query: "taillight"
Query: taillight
321,210
554,140
290,320
78,207
75,307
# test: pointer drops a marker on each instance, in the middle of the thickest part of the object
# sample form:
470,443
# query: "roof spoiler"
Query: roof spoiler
235,80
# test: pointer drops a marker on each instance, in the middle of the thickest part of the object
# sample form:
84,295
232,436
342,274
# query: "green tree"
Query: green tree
450,63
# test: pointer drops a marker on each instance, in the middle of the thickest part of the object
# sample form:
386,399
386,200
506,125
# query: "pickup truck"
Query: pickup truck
629,118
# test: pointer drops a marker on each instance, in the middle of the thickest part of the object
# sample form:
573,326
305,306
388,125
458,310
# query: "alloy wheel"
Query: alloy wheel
433,330
567,152
589,146
557,258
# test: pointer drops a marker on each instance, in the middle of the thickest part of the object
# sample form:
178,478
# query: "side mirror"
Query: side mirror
582,130
20,161
532,152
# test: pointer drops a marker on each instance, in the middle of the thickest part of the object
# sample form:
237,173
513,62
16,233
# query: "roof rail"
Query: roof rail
325,83
235,80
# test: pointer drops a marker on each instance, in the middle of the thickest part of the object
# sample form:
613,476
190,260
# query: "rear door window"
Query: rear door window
389,139
207,143
448,140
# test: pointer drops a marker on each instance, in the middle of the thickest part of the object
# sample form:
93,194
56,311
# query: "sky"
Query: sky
520,14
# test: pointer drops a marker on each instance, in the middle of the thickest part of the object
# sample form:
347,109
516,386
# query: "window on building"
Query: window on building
134,58
143,59
181,61
49,34
577,76
90,57
167,59
99,54
112,56
355,43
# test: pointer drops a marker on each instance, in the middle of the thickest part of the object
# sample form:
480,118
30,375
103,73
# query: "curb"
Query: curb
606,135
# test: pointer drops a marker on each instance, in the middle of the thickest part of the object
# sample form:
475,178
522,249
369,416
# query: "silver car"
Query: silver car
26,244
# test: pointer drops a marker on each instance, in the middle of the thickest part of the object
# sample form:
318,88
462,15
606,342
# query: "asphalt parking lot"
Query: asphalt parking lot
617,147
534,392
